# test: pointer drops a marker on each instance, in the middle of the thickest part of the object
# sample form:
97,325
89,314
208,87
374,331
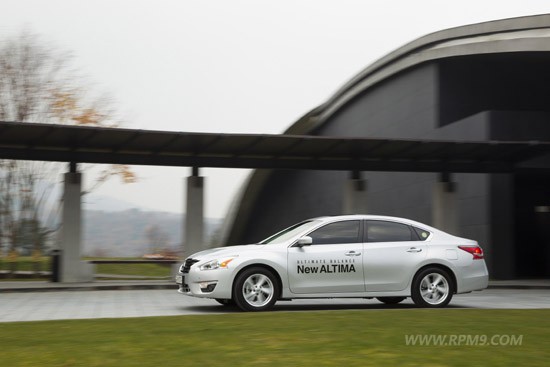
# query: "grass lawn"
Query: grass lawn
324,338
26,263
148,270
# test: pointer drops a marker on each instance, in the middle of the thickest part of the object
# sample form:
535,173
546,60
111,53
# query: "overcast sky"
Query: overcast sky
229,66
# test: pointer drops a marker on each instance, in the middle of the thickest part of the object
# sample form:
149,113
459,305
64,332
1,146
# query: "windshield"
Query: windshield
290,232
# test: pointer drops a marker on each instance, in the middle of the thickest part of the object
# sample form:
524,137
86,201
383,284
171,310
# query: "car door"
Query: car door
331,264
392,252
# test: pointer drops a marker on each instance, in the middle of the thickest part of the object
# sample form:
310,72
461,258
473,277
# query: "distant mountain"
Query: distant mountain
124,233
108,203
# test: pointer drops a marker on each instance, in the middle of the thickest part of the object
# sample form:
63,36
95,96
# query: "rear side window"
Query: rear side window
382,231
422,234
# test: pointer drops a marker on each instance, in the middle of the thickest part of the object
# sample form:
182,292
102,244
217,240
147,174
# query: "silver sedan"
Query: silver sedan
354,256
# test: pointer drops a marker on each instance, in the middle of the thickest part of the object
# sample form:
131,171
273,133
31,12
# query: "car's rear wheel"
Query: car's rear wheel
432,287
390,300
255,289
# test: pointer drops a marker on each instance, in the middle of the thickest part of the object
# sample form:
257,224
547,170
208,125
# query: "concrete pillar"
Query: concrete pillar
355,195
72,269
445,206
194,215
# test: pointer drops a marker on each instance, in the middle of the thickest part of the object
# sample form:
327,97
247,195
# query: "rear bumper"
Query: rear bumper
473,278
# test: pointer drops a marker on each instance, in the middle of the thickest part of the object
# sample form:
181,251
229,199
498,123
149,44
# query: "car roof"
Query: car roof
377,217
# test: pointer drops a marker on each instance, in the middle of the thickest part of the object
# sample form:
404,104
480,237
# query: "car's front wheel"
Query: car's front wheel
432,287
255,289
390,300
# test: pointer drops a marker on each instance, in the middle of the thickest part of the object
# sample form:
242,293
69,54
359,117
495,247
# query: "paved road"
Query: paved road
138,303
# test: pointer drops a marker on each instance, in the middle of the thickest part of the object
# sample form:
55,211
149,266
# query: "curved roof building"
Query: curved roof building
483,82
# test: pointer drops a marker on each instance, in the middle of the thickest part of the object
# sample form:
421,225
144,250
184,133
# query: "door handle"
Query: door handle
352,253
414,249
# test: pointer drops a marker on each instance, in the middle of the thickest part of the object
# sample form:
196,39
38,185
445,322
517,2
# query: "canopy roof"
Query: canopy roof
43,142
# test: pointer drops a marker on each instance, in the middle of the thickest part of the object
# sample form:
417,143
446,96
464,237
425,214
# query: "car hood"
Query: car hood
225,251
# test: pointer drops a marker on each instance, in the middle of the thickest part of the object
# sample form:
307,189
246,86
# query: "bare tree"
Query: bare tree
157,238
37,84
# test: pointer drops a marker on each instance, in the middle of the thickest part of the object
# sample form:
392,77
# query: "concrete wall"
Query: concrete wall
405,106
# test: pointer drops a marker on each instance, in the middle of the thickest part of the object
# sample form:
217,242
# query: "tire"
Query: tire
225,302
390,300
256,289
432,288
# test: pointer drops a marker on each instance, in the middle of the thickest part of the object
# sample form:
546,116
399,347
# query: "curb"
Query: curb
98,287
519,286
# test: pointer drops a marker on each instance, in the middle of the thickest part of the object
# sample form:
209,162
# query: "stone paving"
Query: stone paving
55,305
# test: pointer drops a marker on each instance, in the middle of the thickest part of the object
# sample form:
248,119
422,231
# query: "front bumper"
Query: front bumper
205,284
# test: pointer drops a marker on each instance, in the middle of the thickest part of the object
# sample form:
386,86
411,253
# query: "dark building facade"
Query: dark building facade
483,82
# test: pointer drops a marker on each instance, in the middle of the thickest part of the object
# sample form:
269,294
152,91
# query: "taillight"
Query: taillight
476,251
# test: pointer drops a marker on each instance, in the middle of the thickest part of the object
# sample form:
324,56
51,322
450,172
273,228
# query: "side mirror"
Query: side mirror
304,241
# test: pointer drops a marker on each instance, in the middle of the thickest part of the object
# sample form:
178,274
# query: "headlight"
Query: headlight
216,264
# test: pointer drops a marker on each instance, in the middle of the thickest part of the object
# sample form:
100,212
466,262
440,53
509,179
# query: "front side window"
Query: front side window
290,232
383,231
337,233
